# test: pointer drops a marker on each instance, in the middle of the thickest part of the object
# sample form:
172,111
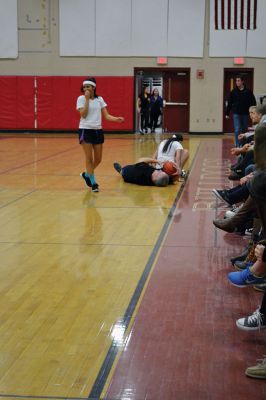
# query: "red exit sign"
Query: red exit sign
239,61
162,60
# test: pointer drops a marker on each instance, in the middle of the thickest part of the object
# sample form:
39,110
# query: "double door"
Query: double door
174,87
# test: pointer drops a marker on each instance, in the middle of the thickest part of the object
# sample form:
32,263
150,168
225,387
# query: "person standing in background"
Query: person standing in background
239,101
91,108
143,108
156,107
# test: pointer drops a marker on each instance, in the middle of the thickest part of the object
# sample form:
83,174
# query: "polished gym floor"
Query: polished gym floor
121,294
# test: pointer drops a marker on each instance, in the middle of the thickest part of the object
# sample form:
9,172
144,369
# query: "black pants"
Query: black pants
144,119
238,194
247,160
154,119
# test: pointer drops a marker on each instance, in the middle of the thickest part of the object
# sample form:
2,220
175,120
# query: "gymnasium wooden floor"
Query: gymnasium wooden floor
122,294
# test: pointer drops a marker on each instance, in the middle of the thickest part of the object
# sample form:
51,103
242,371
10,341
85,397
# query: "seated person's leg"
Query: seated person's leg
251,168
231,224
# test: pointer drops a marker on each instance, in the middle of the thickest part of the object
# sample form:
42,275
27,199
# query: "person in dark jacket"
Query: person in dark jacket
240,99
156,106
143,173
143,108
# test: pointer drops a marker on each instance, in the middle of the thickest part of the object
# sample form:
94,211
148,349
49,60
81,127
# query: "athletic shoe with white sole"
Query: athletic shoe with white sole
253,322
245,278
95,187
260,288
222,195
231,213
258,371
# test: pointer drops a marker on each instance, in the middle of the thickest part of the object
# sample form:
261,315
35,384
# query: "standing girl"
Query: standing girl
91,108
156,108
143,107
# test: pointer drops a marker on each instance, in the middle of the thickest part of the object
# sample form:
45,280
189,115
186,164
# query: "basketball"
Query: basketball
169,168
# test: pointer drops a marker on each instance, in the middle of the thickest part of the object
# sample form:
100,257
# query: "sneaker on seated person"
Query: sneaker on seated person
258,371
222,195
253,322
245,278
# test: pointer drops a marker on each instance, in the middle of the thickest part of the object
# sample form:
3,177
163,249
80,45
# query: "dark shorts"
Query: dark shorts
92,136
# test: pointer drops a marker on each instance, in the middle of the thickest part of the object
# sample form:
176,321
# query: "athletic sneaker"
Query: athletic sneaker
183,174
222,195
260,288
241,265
86,179
241,257
95,187
117,167
258,371
231,213
253,322
235,176
245,278
248,232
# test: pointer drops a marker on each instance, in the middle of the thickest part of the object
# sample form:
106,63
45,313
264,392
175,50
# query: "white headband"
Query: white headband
89,83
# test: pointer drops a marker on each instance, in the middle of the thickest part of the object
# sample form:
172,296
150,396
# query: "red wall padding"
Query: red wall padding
17,102
118,94
56,101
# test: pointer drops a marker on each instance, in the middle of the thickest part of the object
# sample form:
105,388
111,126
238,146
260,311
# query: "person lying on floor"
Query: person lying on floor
148,171
143,173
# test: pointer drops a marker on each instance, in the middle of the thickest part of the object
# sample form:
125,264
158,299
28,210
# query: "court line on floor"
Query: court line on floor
17,396
114,348
18,198
98,386
94,244
35,161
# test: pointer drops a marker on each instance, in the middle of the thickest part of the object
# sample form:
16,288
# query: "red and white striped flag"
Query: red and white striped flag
235,14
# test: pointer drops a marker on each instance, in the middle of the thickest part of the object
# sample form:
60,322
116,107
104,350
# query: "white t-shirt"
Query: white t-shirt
169,155
93,119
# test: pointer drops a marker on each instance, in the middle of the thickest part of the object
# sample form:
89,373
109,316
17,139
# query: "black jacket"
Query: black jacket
239,101
140,174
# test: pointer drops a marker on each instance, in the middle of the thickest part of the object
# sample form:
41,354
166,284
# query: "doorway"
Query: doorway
229,84
173,85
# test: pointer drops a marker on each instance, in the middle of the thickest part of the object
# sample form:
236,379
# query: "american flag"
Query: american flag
235,14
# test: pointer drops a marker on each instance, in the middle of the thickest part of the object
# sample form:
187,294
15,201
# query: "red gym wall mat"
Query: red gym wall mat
17,102
56,102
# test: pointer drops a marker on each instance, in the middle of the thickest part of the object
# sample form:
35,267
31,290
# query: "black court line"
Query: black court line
108,362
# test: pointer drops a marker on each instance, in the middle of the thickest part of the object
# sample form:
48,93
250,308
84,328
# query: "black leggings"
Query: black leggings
144,119
154,119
